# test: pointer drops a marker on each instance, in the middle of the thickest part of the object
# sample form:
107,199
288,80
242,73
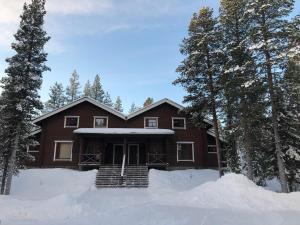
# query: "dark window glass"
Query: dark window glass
178,123
71,121
185,151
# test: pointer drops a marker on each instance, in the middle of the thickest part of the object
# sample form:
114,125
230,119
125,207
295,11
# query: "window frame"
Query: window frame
179,128
214,146
145,123
30,151
193,151
100,117
65,126
55,149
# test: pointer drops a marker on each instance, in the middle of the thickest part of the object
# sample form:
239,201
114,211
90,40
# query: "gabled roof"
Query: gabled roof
155,104
78,101
111,110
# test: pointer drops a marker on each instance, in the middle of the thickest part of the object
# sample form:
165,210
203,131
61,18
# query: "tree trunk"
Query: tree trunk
4,176
249,149
279,153
11,162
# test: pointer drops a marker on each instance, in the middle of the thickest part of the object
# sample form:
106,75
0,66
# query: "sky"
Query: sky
132,44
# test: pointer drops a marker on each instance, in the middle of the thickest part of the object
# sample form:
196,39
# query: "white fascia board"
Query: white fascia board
165,100
80,100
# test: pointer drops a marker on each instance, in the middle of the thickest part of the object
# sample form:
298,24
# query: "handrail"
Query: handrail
123,165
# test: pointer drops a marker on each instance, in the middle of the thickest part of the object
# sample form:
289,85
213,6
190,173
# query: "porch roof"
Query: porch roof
127,131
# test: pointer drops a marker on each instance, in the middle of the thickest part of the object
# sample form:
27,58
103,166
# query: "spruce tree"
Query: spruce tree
118,105
148,102
96,91
269,44
72,90
133,108
20,99
242,87
107,100
57,97
87,91
200,70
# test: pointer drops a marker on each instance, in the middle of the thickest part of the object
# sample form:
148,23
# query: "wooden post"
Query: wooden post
81,151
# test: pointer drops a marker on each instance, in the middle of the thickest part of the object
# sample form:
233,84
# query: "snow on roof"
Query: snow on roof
78,101
122,131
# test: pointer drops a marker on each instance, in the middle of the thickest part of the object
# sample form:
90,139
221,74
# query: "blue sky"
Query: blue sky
132,44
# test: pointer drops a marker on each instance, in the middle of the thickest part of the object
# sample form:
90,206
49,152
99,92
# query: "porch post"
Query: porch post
81,150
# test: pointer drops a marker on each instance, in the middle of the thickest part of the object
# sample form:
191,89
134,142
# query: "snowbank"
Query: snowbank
61,197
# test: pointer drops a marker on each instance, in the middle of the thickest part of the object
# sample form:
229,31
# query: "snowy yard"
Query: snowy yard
60,196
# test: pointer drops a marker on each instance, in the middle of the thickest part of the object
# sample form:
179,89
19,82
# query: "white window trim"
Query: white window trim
78,117
29,151
193,151
63,141
96,117
179,128
145,118
215,146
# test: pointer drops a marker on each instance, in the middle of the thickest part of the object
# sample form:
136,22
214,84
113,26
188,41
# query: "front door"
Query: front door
118,154
133,154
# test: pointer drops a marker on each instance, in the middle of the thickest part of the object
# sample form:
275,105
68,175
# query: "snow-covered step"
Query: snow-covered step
110,176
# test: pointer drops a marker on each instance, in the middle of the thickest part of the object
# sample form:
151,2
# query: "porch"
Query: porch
123,146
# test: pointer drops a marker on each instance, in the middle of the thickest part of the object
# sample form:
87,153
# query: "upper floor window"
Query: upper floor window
178,123
212,149
71,121
100,122
185,151
150,122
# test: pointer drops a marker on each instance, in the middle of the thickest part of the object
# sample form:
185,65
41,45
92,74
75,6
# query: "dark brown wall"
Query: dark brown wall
53,129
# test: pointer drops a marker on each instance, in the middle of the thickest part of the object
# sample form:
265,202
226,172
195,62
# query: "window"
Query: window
178,123
212,149
100,122
151,122
63,151
71,121
33,148
185,151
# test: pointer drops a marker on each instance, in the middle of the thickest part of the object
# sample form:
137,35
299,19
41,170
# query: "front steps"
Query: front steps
110,176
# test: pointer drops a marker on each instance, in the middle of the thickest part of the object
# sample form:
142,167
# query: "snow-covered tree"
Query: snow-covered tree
133,108
148,101
107,100
72,90
118,104
57,97
87,91
96,90
20,99
243,89
270,46
200,71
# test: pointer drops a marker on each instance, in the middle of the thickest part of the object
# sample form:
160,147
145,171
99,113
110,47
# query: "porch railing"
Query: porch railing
157,159
90,158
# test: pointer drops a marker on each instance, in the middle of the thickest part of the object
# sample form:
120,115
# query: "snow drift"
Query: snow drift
61,197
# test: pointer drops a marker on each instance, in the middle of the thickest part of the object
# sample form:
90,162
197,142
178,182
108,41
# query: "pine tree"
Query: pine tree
87,91
57,97
72,90
107,100
133,108
269,44
200,71
20,98
148,102
96,91
118,105
242,87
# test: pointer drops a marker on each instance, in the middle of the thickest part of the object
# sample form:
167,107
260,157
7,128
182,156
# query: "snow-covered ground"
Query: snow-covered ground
61,196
